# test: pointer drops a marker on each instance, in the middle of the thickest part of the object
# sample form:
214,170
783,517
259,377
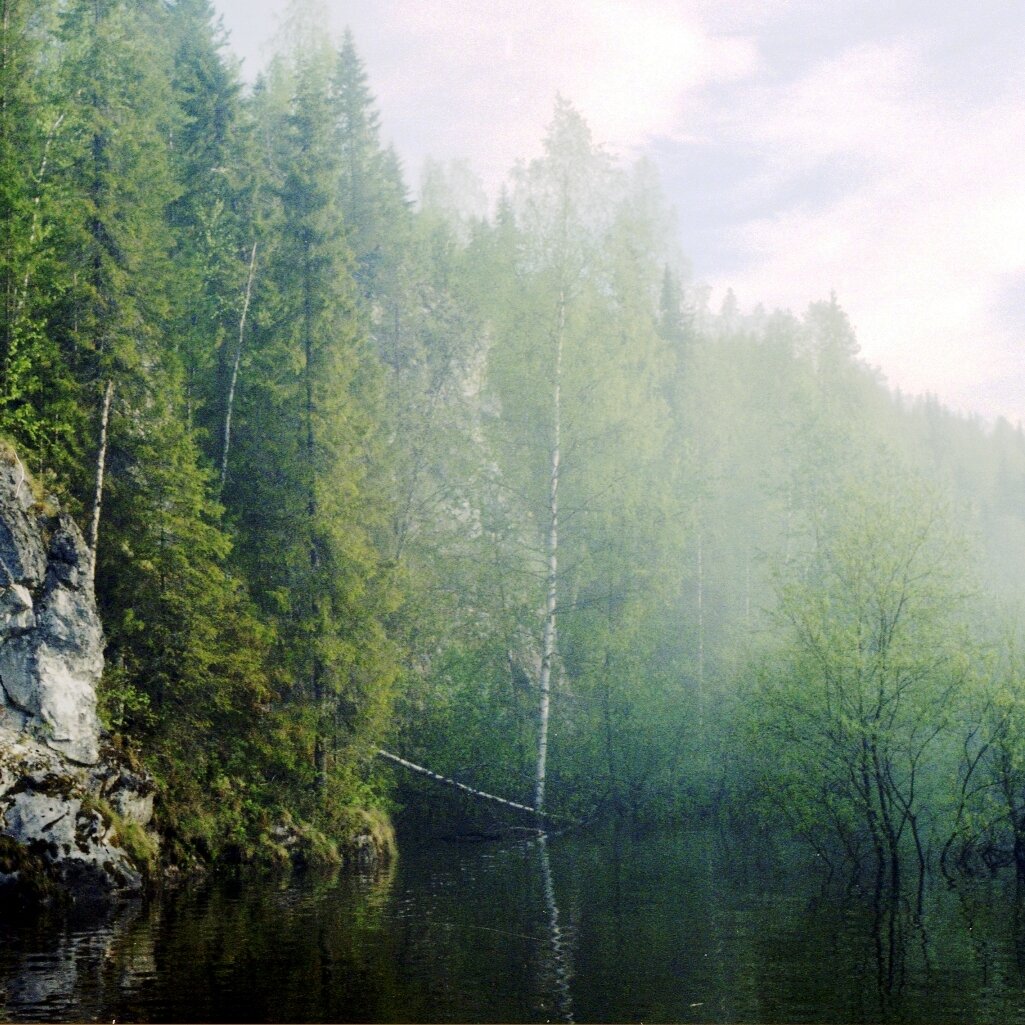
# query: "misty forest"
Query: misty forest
384,479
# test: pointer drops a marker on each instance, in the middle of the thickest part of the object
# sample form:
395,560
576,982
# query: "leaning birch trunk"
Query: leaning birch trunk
471,791
101,463
548,640
226,444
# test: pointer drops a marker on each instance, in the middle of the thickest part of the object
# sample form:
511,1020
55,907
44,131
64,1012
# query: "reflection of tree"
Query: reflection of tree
78,964
228,951
1019,924
894,922
852,953
558,940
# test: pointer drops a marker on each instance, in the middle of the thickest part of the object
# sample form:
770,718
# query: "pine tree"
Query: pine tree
371,193
212,217
183,647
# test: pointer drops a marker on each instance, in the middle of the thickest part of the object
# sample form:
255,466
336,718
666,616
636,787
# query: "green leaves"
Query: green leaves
853,717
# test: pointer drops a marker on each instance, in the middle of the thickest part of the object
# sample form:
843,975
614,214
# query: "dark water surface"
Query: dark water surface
687,926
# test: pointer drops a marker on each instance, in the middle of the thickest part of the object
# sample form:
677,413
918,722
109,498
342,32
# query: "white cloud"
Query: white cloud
919,247
863,151
483,78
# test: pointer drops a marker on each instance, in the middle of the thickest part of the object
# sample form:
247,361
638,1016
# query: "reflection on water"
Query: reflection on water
688,926
561,945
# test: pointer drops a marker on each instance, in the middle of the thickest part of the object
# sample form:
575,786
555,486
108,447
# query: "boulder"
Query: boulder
129,792
66,839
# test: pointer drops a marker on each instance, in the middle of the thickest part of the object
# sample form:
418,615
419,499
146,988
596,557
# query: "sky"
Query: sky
868,147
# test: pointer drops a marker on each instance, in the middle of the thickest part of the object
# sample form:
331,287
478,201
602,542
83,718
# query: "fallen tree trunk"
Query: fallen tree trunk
479,794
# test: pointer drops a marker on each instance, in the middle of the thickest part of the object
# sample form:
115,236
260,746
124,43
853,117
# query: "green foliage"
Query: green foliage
131,195
376,563
850,718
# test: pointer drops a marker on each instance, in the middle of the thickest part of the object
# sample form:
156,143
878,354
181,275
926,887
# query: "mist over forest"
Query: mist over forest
370,462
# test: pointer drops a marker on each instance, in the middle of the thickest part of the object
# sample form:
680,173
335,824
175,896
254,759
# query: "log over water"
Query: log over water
480,794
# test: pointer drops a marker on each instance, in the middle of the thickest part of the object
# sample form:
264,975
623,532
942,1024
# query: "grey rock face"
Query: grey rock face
48,808
51,641
129,793
61,804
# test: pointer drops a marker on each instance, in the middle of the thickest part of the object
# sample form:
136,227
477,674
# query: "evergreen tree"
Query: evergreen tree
212,216
301,493
38,409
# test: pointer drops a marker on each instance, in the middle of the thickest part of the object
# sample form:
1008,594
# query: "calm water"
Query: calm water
688,926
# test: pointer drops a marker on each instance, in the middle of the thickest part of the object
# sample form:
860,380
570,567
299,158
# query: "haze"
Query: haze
808,147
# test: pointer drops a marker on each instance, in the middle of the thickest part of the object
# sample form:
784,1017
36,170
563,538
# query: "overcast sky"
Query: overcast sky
871,147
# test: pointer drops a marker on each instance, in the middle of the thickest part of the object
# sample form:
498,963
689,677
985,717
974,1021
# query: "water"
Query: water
684,926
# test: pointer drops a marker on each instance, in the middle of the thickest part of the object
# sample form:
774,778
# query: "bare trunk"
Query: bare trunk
4,56
747,593
101,464
701,630
311,507
226,445
17,296
316,663
413,767
548,640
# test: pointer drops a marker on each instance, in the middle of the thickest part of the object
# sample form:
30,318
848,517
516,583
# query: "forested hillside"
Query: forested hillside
493,489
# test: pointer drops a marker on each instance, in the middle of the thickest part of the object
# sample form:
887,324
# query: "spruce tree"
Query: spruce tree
301,493
38,408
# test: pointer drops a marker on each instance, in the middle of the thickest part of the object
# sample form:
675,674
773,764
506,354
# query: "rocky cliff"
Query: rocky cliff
65,808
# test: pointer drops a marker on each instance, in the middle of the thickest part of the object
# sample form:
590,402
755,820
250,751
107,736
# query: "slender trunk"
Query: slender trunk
548,640
789,525
36,200
471,791
701,630
5,7
747,593
610,738
226,445
16,296
610,746
316,665
320,742
311,506
871,816
101,464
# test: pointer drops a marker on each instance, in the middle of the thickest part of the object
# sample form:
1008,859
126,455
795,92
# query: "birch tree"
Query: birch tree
573,368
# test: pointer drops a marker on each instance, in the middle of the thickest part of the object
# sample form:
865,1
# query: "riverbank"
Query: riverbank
81,818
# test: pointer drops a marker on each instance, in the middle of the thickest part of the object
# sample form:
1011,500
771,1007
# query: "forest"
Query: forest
488,486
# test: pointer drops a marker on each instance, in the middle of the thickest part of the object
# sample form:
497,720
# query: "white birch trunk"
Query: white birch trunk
226,445
456,785
34,231
548,639
747,593
101,464
701,630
